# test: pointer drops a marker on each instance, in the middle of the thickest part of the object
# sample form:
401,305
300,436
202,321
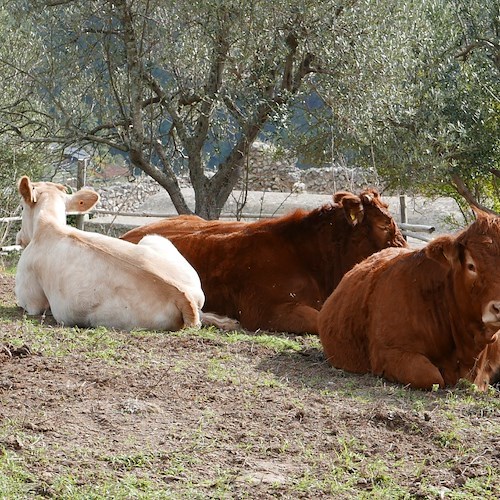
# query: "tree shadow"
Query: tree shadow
309,368
10,313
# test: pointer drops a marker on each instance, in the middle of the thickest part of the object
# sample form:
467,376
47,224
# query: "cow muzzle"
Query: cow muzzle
19,240
491,313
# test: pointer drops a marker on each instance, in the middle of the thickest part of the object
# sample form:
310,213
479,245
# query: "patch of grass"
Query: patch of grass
448,439
220,369
129,485
8,314
8,263
15,478
129,462
353,475
479,487
270,380
275,342
58,341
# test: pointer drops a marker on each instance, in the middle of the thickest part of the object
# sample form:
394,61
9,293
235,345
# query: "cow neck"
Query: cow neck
339,254
346,244
309,236
48,219
467,332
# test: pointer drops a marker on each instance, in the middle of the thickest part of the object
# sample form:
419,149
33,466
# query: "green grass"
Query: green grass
59,342
314,438
278,343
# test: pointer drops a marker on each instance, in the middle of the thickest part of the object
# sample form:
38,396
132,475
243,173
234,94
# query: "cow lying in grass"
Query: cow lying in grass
275,274
88,279
426,317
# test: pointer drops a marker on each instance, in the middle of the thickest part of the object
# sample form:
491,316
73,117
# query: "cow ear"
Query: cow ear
443,250
340,195
372,197
353,210
27,190
82,201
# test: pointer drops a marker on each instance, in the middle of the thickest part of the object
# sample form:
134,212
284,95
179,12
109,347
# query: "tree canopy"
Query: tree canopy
410,87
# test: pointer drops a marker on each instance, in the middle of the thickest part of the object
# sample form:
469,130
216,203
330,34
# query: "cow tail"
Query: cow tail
221,322
190,312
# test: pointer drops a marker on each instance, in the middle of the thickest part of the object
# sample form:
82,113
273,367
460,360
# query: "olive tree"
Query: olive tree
420,103
16,157
439,133
189,85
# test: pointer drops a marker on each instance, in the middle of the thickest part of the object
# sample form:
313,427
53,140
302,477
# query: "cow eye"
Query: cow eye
471,267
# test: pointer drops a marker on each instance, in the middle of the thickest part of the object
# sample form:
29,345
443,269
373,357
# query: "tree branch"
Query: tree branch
463,190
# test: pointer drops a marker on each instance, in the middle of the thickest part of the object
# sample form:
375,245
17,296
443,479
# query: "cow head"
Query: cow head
373,225
351,205
473,258
370,228
50,202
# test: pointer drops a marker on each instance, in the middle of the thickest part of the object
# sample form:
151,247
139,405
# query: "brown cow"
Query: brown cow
420,317
488,365
274,274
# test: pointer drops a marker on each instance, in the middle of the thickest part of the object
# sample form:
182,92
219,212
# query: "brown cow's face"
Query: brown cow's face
483,283
473,258
375,230
373,226
383,231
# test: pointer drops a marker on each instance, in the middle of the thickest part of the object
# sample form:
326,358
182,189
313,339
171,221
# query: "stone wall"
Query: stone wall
129,196
270,171
266,171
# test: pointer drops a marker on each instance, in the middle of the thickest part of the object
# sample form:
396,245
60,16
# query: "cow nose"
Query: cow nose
492,313
495,309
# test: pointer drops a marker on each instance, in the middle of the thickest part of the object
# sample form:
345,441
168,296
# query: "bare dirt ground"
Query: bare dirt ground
204,414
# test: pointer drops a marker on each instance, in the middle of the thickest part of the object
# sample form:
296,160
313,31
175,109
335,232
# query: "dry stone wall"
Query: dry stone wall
127,197
264,171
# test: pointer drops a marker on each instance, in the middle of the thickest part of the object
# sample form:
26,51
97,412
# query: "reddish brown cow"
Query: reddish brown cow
488,365
184,224
421,317
274,274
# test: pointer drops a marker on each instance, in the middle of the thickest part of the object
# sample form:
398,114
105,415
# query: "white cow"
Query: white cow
89,279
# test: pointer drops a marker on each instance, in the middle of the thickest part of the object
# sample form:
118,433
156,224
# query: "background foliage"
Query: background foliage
409,88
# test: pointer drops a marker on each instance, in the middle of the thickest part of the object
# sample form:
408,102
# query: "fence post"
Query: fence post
81,179
402,210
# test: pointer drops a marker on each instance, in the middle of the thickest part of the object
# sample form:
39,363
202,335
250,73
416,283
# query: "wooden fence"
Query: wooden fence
416,231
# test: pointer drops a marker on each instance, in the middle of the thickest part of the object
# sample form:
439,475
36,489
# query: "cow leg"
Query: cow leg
31,297
221,322
292,318
408,368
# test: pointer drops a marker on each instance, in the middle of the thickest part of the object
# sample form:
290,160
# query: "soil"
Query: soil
206,414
